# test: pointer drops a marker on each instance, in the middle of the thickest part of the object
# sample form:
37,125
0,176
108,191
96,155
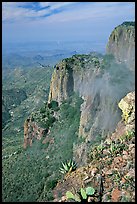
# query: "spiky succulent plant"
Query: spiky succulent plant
68,167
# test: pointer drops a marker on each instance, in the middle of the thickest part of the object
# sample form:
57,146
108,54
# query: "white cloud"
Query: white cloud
55,5
44,4
14,11
75,20
10,11
94,11
61,5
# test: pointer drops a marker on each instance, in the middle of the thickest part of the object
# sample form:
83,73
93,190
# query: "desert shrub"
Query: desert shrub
43,110
128,23
50,121
50,184
53,105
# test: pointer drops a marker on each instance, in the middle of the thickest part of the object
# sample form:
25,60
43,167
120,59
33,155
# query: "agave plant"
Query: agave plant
68,167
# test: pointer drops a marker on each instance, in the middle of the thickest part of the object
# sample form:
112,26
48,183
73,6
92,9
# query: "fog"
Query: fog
102,90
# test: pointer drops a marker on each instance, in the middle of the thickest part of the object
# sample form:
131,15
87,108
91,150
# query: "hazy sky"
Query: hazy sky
67,21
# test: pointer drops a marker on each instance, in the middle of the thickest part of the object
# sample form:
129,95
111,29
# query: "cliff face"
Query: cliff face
122,44
71,74
61,83
101,81
81,74
100,90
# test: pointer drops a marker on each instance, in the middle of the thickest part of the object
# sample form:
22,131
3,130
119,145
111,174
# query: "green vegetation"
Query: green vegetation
113,149
68,167
11,98
83,61
75,197
116,177
82,195
107,61
23,92
53,105
45,116
128,23
116,149
30,175
127,136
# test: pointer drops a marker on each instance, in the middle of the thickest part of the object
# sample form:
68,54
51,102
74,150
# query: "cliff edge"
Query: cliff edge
122,44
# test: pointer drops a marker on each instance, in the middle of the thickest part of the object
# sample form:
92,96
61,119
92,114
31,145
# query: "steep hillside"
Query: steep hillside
122,44
111,165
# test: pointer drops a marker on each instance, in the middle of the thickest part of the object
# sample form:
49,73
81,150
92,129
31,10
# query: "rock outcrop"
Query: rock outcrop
61,86
122,44
127,105
32,131
72,75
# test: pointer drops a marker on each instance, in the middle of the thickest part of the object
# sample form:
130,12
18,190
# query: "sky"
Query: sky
63,21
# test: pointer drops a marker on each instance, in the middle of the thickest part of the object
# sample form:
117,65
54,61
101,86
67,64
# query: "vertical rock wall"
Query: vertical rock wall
61,86
122,45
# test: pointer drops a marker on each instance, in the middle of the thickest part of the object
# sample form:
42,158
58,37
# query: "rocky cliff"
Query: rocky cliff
73,74
32,131
70,73
61,86
122,44
113,161
101,81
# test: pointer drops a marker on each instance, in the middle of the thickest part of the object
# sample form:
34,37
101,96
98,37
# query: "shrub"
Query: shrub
128,23
53,105
50,121
50,184
42,110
